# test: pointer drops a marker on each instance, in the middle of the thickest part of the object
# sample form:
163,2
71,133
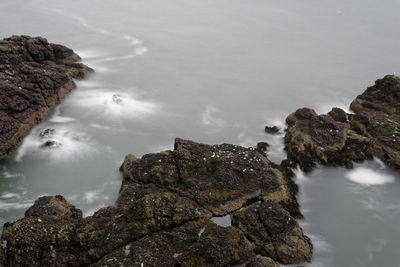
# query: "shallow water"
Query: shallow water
211,71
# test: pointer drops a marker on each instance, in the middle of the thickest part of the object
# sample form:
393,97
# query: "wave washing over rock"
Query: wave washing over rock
34,77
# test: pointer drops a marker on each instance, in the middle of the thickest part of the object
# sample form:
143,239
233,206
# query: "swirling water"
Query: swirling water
212,71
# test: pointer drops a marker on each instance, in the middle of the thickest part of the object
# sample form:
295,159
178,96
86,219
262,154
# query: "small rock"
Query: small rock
272,129
262,147
47,133
50,144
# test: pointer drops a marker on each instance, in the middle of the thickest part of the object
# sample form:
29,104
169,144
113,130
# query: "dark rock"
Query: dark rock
260,261
47,133
262,148
335,140
338,114
116,98
50,144
274,232
56,207
34,77
272,129
162,215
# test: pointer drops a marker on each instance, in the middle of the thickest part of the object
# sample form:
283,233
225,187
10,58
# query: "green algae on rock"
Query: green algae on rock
339,139
163,216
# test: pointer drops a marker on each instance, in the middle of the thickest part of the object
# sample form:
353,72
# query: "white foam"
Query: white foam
99,126
300,176
209,117
72,145
89,54
91,196
87,83
10,175
10,195
61,119
380,163
116,104
141,50
6,206
320,243
57,118
133,40
367,176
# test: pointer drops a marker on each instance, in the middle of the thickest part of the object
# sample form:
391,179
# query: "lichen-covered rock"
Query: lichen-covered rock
378,117
260,261
338,139
49,207
34,76
162,215
200,243
274,232
238,175
312,138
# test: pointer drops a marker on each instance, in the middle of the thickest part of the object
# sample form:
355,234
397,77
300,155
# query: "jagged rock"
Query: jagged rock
272,129
378,117
34,77
338,114
262,148
200,243
338,139
53,208
162,215
238,175
260,261
274,232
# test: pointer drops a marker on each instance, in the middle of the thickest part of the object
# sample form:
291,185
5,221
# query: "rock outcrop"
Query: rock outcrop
34,77
339,139
163,216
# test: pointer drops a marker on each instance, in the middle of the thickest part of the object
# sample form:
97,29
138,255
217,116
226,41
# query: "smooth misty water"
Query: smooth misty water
212,71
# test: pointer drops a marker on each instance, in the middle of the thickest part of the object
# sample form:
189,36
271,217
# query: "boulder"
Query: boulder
162,216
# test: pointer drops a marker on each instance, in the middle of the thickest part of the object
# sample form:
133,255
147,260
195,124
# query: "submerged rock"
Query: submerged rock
50,144
47,133
162,216
339,139
34,77
272,129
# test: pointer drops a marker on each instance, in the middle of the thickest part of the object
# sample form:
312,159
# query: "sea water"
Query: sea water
213,71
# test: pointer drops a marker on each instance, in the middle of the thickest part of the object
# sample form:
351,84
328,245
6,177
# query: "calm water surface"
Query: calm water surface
213,71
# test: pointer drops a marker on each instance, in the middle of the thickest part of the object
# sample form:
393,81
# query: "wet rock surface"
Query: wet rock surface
339,139
272,129
162,216
34,77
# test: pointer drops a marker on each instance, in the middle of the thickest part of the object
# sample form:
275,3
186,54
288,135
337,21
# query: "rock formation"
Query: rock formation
163,216
34,77
338,139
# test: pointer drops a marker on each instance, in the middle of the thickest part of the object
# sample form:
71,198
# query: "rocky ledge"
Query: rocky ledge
34,77
165,213
338,138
